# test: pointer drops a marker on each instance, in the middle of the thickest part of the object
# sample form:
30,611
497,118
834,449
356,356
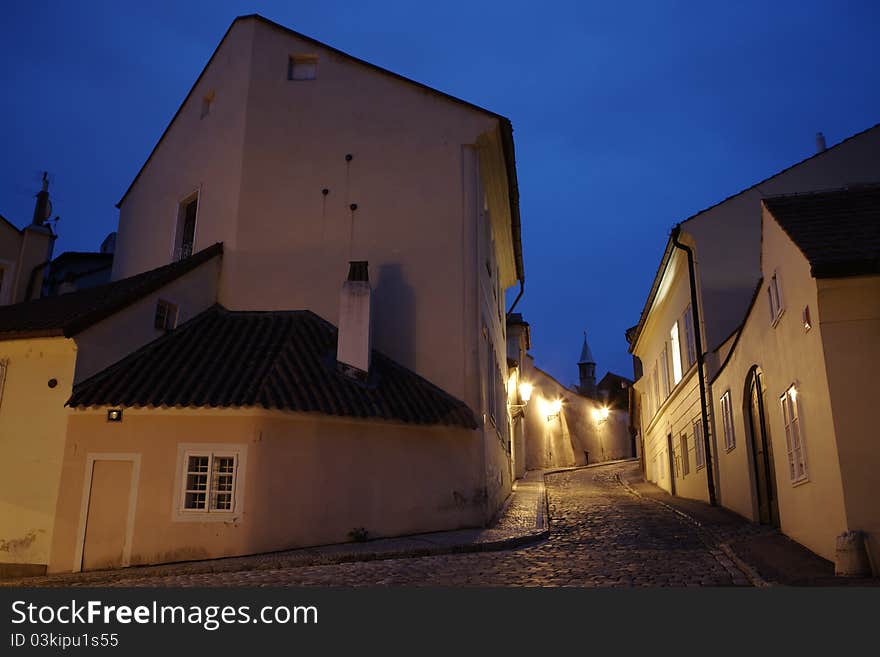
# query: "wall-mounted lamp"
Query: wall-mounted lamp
550,408
601,414
525,394
114,415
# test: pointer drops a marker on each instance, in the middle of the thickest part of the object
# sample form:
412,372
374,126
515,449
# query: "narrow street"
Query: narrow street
601,535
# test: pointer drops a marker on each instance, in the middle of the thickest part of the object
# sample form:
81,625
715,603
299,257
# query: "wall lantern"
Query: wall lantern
525,391
601,414
114,415
551,409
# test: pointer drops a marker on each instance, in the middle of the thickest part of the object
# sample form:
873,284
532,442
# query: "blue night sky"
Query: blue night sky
628,116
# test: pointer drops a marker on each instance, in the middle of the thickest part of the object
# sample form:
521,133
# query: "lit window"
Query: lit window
727,421
210,480
775,297
689,342
664,372
699,444
656,390
676,354
166,315
794,441
685,458
302,67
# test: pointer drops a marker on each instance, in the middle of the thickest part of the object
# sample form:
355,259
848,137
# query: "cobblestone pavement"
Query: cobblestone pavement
600,535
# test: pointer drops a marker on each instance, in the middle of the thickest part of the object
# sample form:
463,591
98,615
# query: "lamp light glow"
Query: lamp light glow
525,391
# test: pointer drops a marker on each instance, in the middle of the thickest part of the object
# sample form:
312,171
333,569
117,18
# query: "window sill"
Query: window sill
800,482
206,516
776,319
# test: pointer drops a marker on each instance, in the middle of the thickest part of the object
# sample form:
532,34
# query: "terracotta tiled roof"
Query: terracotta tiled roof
837,231
282,360
68,314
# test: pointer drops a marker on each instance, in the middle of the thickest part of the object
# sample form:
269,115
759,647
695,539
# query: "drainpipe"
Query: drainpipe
522,288
701,365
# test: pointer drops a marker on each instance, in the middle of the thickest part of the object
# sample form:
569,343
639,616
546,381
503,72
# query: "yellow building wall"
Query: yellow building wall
32,427
849,319
308,480
677,413
811,512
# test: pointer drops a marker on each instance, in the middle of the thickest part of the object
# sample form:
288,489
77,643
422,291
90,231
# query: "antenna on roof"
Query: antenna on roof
820,142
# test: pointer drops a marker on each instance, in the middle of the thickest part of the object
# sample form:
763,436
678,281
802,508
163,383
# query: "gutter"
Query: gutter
701,364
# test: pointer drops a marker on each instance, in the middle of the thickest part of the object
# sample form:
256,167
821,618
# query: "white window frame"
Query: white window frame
699,444
655,390
796,448
664,372
171,317
177,235
676,354
774,295
727,421
690,344
212,450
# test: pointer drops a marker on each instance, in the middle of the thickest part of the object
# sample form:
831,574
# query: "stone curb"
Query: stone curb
709,537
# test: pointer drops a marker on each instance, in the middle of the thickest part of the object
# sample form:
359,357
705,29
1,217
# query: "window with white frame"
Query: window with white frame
655,383
690,345
774,295
727,421
676,354
664,372
210,482
794,440
185,232
685,458
699,444
166,315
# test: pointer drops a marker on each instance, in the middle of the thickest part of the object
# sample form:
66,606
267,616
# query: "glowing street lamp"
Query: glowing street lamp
525,391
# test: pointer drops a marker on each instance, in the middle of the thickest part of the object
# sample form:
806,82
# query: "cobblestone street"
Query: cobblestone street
600,535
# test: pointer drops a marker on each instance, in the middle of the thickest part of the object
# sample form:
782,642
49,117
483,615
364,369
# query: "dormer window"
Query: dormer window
185,235
166,315
302,67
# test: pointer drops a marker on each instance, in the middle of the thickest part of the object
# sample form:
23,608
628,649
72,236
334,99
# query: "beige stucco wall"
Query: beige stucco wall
308,480
32,425
728,236
566,440
424,192
196,154
849,315
131,328
811,512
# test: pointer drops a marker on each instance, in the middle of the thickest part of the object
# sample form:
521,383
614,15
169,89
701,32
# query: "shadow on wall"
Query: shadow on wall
394,313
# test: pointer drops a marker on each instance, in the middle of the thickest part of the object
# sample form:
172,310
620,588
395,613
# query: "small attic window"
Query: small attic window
207,101
166,315
302,67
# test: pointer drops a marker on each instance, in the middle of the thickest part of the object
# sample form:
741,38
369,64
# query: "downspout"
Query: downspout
701,365
522,288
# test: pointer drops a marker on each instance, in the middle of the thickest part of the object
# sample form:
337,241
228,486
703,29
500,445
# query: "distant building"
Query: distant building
77,270
614,389
25,253
587,371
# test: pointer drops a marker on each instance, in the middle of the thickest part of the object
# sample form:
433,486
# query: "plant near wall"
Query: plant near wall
359,535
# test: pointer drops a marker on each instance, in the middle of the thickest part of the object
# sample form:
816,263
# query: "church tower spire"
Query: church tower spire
587,370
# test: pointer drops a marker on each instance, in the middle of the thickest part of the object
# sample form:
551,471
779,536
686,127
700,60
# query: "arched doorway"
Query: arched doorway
763,472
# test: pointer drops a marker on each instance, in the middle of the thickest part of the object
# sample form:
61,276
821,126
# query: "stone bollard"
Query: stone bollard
851,558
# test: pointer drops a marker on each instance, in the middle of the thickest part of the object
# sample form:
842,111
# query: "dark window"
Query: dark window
186,228
166,315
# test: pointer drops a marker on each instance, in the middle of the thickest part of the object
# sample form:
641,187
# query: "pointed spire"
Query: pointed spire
586,354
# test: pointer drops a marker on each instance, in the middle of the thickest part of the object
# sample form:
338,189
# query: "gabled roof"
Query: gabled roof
277,360
504,123
68,314
837,231
613,379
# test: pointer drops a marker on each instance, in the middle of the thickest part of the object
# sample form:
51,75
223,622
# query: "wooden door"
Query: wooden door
107,519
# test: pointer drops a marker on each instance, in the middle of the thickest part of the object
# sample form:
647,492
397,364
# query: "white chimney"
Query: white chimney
355,340
820,142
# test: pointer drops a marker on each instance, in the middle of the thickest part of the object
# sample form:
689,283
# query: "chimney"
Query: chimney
355,336
43,207
820,142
